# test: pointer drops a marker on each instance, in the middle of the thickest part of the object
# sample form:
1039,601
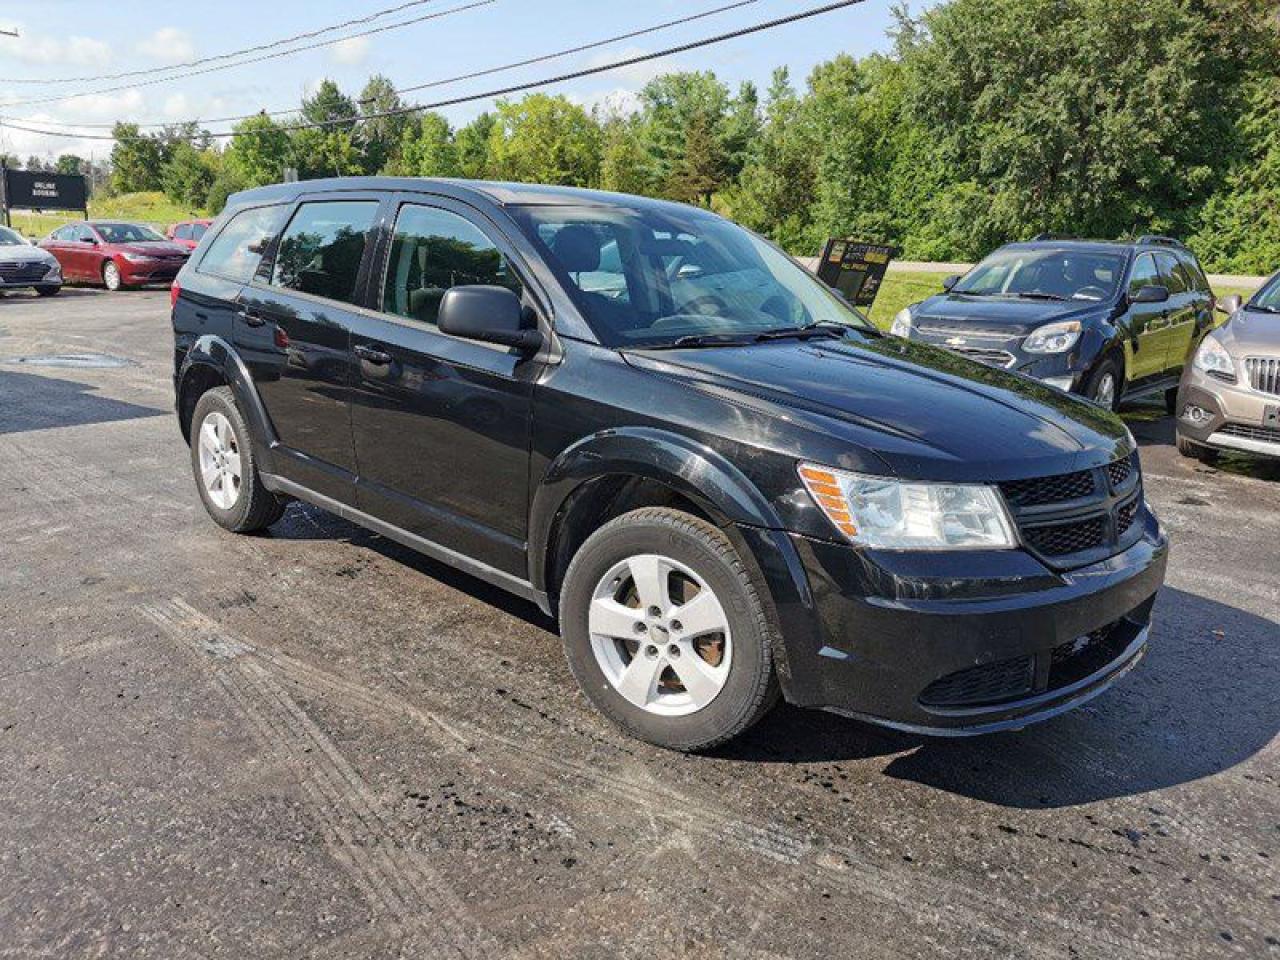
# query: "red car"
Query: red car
189,233
115,254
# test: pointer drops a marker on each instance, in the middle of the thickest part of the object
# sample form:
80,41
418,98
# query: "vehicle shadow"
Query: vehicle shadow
29,401
1202,701
1152,427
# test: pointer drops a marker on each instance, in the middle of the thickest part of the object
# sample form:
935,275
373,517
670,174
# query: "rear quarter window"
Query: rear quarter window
237,249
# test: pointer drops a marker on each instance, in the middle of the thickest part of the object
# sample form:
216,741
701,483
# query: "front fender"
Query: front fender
213,354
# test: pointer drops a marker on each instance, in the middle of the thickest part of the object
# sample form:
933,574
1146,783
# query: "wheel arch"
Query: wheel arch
213,362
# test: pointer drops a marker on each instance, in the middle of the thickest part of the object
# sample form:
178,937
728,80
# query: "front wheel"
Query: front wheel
665,630
48,291
111,278
1105,385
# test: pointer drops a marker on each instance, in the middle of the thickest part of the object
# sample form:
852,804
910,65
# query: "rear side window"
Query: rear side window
1171,274
182,231
1195,275
321,250
198,230
433,250
236,251
1144,274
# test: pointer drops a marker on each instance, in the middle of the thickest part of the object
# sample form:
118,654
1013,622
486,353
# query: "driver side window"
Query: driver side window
1144,274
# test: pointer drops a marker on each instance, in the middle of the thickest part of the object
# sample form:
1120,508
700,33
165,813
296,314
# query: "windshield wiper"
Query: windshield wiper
804,333
1039,295
704,340
1258,306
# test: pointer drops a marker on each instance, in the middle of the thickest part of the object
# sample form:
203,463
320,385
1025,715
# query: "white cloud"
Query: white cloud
43,49
352,52
168,45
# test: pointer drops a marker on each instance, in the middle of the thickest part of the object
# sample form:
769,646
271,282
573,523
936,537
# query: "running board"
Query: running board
481,571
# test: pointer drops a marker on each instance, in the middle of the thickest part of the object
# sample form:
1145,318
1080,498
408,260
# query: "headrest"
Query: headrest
577,248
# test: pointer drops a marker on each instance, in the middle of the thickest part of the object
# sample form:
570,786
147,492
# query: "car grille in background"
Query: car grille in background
14,271
1265,434
992,358
989,683
1264,374
1076,518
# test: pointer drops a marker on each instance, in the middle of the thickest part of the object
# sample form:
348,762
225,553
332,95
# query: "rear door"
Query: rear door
57,244
442,424
1145,343
1200,304
293,328
1180,318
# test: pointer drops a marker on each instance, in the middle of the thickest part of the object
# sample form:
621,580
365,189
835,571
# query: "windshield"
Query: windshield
650,277
1268,298
1056,274
126,233
11,238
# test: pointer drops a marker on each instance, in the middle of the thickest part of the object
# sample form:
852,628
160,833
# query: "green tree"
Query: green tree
329,105
188,174
544,139
700,170
324,152
259,153
472,146
669,106
427,149
70,164
741,129
379,137
135,159
623,164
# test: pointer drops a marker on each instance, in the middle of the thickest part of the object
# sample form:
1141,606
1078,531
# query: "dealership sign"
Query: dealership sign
32,190
855,269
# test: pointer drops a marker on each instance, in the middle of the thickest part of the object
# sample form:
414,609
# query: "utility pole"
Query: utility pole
8,33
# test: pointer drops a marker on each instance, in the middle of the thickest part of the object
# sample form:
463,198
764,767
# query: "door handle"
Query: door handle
376,357
252,319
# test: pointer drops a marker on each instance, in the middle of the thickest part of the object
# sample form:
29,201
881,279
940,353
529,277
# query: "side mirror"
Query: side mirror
489,313
950,282
1152,294
1228,305
89,240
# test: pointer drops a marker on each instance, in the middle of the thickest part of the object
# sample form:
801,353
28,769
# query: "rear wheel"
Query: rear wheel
48,291
665,630
1195,451
1105,384
111,278
223,463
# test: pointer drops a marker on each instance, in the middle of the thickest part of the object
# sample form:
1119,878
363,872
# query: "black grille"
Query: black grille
1041,490
1265,434
989,683
1125,517
1060,539
18,271
1120,471
1086,655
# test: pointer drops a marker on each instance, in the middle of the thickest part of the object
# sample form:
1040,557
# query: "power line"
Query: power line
259,59
230,55
490,94
568,51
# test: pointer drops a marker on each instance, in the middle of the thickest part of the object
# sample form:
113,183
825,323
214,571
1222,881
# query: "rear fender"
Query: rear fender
214,354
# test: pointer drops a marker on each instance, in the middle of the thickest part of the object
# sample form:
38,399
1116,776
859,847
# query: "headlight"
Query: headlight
1212,357
1053,337
902,323
136,257
891,515
55,270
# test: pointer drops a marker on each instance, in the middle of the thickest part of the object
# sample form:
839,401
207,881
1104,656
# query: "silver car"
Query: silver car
1229,398
25,265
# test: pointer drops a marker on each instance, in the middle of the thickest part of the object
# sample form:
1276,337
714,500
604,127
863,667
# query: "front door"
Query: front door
1145,343
293,330
441,424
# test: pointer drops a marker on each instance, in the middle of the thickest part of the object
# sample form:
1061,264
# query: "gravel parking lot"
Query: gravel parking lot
315,743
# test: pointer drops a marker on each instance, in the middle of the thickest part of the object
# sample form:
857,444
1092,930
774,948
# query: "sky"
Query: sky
62,39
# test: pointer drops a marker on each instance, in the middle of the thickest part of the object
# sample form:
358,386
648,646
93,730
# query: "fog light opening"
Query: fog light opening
1193,414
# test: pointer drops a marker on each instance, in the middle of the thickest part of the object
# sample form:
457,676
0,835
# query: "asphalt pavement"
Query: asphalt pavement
315,743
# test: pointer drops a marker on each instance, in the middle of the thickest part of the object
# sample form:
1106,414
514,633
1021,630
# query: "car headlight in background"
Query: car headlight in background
902,323
136,257
54,271
887,514
1053,337
1212,358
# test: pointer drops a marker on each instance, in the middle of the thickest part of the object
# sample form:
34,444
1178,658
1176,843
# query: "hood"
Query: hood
152,248
927,412
1007,315
1252,333
24,254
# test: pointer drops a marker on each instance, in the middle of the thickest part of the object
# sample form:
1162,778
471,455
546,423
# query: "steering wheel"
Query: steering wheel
698,305
1090,292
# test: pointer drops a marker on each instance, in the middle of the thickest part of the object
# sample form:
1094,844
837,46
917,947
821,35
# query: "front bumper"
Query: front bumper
1239,417
149,271
1065,370
963,643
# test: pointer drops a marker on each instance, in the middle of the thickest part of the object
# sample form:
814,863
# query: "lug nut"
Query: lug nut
651,651
641,627
655,612
673,650
675,625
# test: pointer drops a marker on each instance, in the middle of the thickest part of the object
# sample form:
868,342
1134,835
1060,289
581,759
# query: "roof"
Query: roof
498,192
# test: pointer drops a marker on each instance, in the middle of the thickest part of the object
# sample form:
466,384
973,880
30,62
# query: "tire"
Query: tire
1171,400
1095,387
1195,451
48,291
242,504
702,687
111,278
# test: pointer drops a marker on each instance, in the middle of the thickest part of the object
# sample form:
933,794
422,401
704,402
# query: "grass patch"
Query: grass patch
899,289
151,207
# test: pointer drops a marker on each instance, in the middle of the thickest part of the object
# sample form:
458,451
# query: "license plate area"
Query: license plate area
1271,415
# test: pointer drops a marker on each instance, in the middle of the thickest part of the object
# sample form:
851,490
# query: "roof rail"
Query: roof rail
1040,237
1156,239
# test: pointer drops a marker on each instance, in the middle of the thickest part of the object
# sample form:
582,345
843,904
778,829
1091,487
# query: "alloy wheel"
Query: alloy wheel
660,635
220,469
1104,394
111,276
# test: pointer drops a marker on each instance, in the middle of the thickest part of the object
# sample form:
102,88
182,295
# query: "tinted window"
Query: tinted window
1144,274
1171,274
182,231
66,233
198,230
433,250
10,238
1069,273
1195,274
321,250
236,251
1268,298
128,233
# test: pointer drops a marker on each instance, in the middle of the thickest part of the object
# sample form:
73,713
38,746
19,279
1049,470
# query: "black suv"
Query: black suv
1109,321
652,423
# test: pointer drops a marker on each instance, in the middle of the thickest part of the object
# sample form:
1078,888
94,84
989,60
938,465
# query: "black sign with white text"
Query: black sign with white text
855,269
30,190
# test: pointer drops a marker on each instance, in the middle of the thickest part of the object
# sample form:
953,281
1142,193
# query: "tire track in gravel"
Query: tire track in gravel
360,835
914,896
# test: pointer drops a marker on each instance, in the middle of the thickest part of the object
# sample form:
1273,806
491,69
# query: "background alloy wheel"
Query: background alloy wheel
111,276
1105,385
665,630
224,467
